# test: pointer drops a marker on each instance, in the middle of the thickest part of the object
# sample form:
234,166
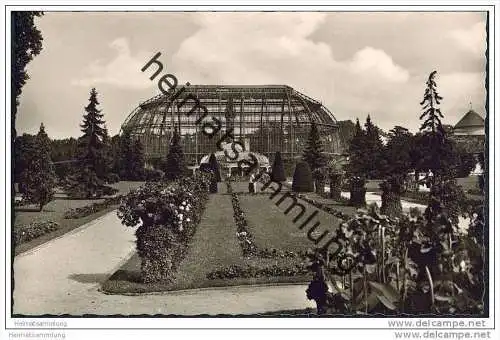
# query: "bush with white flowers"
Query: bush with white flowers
167,214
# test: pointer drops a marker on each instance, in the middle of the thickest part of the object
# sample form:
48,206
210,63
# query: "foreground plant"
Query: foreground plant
410,264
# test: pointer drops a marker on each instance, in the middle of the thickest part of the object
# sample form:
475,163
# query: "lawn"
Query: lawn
215,246
54,211
271,228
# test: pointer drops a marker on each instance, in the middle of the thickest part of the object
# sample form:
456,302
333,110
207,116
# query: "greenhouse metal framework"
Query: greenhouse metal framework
265,119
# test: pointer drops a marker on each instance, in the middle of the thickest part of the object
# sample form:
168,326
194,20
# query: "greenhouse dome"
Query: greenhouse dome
265,119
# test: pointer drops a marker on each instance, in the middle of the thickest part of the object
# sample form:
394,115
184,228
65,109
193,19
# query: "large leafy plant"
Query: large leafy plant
410,264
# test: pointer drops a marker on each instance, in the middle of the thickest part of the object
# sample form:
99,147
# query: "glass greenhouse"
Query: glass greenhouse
265,119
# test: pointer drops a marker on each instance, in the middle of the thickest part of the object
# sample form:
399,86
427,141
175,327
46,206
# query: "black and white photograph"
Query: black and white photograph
189,164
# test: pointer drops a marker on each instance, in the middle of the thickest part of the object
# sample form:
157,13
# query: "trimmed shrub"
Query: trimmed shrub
358,192
302,178
278,171
208,168
214,165
392,188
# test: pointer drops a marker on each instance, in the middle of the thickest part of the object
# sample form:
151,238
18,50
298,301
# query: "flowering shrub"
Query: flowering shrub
92,208
33,230
169,213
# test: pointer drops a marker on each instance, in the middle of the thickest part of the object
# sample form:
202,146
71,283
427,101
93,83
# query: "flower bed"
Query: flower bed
31,231
249,271
169,212
92,208
245,238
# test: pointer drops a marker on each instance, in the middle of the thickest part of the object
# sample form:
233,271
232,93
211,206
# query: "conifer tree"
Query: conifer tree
91,166
214,165
125,154
106,167
314,151
175,164
373,150
39,176
437,150
357,162
440,156
138,160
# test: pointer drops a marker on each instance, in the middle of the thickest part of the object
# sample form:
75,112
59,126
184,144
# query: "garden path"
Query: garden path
63,277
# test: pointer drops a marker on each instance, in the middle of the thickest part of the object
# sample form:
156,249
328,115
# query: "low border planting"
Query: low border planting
92,208
28,232
249,271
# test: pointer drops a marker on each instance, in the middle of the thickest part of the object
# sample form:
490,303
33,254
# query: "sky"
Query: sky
355,63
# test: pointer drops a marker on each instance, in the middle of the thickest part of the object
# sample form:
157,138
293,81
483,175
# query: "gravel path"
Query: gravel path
63,277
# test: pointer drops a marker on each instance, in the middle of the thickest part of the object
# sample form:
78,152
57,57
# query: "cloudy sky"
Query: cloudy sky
354,63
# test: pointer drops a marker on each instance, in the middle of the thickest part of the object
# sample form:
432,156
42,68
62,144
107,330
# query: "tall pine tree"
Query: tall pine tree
175,163
314,151
91,171
373,150
439,154
39,176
